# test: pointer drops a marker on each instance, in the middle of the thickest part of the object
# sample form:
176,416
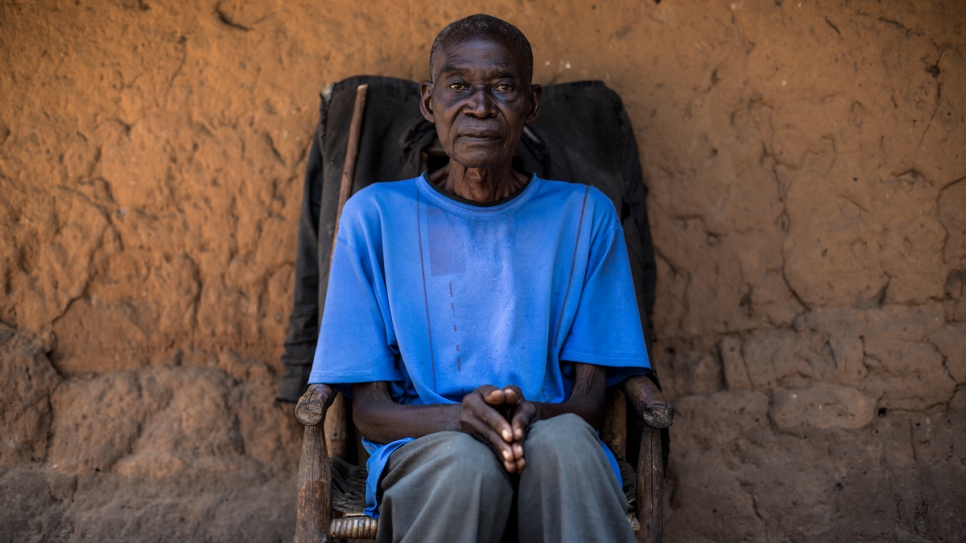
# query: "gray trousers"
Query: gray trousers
449,488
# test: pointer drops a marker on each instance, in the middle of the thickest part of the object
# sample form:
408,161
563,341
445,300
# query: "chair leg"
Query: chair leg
650,486
314,499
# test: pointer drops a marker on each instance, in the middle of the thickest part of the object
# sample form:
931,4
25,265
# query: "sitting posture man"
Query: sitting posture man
478,314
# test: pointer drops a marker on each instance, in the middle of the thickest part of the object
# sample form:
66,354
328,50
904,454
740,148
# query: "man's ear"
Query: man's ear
536,93
426,101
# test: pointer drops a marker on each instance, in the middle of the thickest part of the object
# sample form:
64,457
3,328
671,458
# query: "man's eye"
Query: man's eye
457,86
504,87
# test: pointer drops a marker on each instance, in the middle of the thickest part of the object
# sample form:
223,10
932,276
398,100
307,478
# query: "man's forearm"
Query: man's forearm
591,412
383,421
587,399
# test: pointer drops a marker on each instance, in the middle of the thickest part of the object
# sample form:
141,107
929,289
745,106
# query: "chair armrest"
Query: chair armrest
657,413
314,403
649,401
314,507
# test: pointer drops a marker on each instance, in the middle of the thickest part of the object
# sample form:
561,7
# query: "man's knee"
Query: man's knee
457,455
568,486
454,460
444,487
564,438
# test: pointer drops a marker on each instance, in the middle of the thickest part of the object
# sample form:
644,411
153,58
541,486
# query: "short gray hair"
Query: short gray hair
484,25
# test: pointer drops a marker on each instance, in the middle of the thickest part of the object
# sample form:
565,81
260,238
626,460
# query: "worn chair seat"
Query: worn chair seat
349,497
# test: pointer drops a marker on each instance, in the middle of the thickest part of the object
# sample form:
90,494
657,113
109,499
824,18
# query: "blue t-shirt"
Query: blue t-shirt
439,297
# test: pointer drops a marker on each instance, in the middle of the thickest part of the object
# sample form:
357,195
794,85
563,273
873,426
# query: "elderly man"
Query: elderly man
475,314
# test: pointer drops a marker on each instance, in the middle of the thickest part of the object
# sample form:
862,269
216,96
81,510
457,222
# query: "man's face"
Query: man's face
480,99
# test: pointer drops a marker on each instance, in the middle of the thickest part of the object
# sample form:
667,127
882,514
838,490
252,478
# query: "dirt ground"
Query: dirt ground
806,168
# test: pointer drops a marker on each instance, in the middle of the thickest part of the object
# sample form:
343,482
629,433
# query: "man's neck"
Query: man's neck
479,185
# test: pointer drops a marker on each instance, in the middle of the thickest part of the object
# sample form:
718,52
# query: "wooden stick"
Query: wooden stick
335,422
314,497
351,155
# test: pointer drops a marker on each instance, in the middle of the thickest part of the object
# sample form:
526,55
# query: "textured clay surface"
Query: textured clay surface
806,169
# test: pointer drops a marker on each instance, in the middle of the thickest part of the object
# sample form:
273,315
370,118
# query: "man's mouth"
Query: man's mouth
481,136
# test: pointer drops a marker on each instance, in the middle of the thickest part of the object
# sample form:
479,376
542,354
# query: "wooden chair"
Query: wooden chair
582,135
331,494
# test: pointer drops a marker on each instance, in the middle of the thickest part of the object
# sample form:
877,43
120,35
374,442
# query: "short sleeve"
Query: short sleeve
606,329
355,337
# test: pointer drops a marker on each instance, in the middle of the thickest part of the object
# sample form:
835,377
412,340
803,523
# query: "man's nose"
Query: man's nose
480,103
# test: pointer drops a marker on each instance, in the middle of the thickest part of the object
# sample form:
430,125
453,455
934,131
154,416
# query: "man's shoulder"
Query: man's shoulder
372,200
587,194
386,191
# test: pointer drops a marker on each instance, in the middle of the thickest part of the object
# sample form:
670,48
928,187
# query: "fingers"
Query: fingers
522,417
512,395
518,459
491,410
481,419
492,395
488,436
500,418
521,414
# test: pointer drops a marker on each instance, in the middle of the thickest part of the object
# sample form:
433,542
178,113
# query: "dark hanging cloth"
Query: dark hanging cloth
582,135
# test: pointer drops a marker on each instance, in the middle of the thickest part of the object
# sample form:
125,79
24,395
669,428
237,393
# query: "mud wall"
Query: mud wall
805,164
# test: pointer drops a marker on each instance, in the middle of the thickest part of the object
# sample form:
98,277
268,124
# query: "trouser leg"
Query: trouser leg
567,491
446,487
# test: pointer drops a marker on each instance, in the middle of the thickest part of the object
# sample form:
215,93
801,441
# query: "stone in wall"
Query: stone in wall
25,415
742,451
31,512
799,411
166,422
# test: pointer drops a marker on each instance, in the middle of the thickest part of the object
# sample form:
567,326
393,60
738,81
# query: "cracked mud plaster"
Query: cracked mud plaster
805,166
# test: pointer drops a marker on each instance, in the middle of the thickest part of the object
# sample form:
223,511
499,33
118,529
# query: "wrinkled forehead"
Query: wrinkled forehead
481,53
503,53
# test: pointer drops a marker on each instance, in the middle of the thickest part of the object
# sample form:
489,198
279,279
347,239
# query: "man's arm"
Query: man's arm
496,417
382,420
587,399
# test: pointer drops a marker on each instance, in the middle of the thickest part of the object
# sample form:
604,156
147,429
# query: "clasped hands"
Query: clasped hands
499,417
